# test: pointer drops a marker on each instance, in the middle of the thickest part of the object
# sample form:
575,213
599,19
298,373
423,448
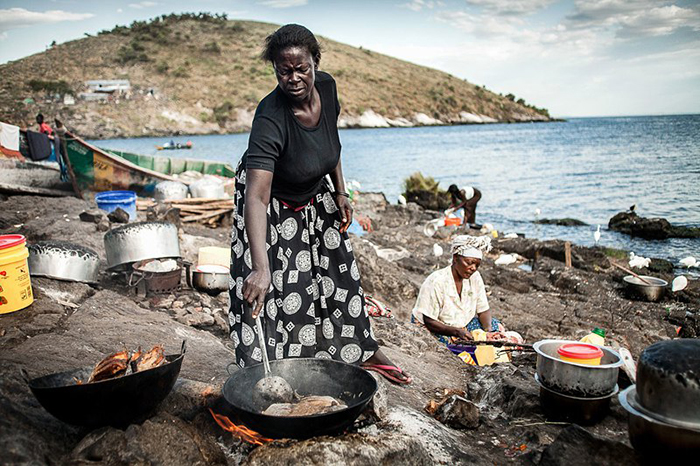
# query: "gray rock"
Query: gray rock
92,216
575,446
118,215
104,225
351,449
458,412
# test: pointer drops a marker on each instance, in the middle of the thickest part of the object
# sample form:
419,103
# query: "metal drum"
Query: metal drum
140,241
63,261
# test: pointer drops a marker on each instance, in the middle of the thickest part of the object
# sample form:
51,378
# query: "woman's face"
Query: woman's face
296,73
465,266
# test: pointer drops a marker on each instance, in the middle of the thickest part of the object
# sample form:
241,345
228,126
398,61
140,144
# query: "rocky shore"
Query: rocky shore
74,325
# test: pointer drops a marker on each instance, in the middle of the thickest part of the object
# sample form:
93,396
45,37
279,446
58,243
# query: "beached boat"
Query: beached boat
177,146
99,169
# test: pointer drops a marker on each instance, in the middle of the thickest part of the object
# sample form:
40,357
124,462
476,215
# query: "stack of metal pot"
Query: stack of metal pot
664,405
575,392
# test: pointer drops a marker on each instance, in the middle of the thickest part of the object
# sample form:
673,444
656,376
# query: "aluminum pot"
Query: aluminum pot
63,261
637,289
139,241
656,438
209,281
585,411
573,379
173,190
668,383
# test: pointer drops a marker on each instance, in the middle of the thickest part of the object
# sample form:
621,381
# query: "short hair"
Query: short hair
453,189
40,118
291,35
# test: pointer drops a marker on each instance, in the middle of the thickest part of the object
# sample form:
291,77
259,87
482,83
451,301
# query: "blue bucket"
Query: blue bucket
111,200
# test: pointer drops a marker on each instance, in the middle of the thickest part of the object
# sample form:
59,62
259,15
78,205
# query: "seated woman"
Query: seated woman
452,301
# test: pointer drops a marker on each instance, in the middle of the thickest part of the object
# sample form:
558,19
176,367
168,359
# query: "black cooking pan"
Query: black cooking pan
351,384
115,402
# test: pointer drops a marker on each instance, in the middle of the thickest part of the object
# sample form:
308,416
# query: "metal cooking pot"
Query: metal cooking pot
657,438
206,281
172,190
586,411
639,290
668,387
308,376
63,261
573,379
139,241
155,282
116,402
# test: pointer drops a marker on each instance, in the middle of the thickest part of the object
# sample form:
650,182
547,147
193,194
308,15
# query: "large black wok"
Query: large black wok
351,384
115,402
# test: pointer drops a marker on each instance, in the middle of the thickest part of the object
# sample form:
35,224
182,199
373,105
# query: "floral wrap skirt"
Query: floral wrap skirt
315,307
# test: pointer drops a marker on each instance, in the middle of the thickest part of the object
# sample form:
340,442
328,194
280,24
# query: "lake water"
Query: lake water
584,168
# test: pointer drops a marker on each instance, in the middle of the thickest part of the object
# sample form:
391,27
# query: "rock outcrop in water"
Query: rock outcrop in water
650,228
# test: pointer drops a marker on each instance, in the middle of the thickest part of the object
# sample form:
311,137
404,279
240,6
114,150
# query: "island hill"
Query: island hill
200,74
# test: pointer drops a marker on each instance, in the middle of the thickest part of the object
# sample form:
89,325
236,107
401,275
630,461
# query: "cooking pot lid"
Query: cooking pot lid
8,241
580,351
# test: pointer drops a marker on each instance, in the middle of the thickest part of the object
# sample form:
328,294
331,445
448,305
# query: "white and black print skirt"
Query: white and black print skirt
316,305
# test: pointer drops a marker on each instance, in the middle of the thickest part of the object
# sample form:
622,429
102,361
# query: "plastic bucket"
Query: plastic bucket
15,284
110,201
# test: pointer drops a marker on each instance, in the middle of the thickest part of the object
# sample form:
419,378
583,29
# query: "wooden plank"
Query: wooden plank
195,218
567,254
17,189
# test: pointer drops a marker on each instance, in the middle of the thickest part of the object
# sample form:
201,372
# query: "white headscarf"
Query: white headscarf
471,246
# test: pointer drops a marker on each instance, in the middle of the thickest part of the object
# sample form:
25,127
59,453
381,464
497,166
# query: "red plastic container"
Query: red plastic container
581,353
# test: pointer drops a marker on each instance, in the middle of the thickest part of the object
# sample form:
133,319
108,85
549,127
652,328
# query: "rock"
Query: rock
221,321
104,225
164,439
650,228
118,215
197,319
563,222
575,446
378,408
660,266
350,449
92,216
458,412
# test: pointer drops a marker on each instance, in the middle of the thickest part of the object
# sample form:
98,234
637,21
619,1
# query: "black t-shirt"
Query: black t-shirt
299,156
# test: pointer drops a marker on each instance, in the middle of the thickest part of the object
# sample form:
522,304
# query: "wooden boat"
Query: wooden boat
177,146
99,169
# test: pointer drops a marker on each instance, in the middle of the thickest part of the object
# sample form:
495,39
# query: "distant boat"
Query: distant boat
175,146
99,169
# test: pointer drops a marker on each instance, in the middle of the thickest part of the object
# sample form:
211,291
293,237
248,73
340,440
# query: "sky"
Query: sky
573,57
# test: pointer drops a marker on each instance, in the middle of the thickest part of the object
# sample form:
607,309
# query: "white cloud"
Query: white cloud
659,21
119,10
18,17
142,5
283,3
418,5
511,7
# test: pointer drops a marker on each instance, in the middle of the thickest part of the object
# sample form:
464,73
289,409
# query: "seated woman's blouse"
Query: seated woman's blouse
438,299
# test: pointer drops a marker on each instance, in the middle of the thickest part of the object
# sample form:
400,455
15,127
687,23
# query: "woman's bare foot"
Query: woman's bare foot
380,359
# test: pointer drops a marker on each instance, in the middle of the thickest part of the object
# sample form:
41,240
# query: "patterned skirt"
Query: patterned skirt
316,305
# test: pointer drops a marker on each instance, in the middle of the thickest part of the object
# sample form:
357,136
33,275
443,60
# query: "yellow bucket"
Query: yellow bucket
15,284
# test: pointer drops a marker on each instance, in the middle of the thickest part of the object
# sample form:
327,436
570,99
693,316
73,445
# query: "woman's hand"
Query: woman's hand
463,334
255,287
346,210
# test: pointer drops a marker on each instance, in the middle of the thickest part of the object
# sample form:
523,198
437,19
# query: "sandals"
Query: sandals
385,370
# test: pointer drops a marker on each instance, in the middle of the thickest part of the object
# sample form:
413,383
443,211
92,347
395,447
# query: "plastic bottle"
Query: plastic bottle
596,337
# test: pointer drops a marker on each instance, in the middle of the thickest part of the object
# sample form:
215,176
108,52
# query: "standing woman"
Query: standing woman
292,260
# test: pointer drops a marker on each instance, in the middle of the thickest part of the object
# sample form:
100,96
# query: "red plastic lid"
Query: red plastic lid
8,241
580,351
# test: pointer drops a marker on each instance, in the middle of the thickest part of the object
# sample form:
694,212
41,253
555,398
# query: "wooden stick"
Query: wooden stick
194,218
497,343
567,254
647,282
195,200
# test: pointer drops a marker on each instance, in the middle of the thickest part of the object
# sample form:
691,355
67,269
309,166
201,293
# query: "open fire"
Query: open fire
242,432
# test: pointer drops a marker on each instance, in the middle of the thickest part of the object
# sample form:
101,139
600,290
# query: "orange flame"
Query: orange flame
242,432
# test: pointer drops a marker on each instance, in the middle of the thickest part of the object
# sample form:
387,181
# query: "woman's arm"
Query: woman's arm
438,327
257,198
485,320
343,202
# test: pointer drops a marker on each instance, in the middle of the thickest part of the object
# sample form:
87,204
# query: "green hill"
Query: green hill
200,73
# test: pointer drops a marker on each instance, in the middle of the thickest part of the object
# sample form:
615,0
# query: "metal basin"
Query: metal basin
668,382
209,282
654,437
572,379
63,261
586,411
637,289
140,241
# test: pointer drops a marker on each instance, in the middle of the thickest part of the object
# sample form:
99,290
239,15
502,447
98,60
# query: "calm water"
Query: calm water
585,168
